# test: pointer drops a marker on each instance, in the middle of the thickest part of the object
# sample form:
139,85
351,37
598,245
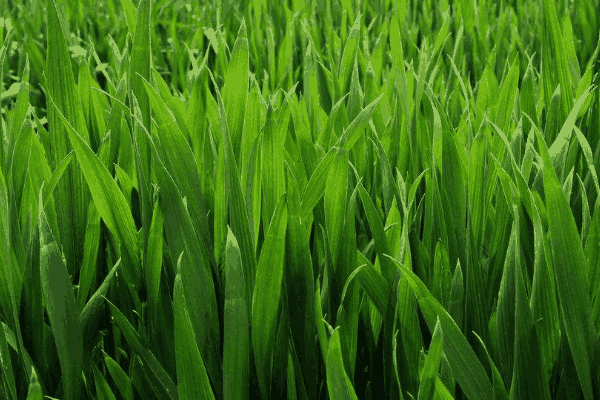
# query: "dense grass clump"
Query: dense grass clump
301,199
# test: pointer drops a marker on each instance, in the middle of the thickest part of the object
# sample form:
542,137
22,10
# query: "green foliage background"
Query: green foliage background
299,199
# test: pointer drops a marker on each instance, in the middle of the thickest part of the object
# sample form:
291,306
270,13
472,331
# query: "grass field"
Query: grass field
299,199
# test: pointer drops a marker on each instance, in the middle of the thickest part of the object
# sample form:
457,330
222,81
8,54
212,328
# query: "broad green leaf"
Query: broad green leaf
477,201
8,372
235,90
93,305
301,302
192,379
200,289
570,269
351,48
119,376
316,184
559,147
335,200
71,197
554,58
543,301
109,200
381,242
179,159
273,176
466,368
236,342
167,386
19,113
140,64
267,293
90,255
373,283
432,364
507,97
338,383
154,261
355,129
528,379
240,223
35,391
62,310
103,390
499,389
130,12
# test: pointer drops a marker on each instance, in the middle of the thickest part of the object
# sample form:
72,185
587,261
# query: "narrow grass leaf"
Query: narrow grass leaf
374,284
315,188
236,341
570,269
109,200
62,310
235,90
466,368
267,293
103,390
339,385
355,129
70,197
135,341
192,379
120,377
335,200
432,364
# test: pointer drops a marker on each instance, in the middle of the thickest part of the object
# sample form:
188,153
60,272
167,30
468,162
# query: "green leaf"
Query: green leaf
235,90
103,390
315,189
130,12
167,386
355,129
466,368
570,269
432,364
267,293
109,200
335,200
192,379
122,381
236,341
71,197
339,385
62,310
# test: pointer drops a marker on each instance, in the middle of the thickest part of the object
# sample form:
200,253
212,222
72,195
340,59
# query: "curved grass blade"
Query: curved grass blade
150,362
122,381
339,385
109,200
354,130
465,365
71,197
62,309
103,390
316,184
432,364
570,269
267,293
